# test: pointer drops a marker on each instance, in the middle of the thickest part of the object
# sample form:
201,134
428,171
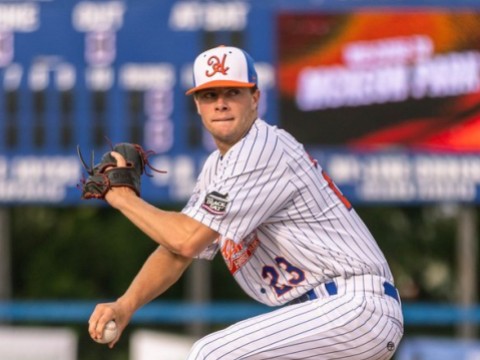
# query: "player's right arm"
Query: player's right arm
176,231
160,271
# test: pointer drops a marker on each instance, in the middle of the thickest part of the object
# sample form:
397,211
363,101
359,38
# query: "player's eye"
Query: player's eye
233,91
208,95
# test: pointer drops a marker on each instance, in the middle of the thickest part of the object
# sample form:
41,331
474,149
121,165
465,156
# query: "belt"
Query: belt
332,289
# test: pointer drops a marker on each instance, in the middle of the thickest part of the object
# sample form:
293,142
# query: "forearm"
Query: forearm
161,270
173,230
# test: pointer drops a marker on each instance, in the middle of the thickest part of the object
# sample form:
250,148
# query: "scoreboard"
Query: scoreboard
335,74
89,72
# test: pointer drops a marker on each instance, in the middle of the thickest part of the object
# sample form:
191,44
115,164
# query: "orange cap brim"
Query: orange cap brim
219,83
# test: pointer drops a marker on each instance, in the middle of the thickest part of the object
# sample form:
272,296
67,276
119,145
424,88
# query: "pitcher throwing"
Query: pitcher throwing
287,234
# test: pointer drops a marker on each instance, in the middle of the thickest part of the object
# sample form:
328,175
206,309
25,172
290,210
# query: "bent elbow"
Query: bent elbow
187,250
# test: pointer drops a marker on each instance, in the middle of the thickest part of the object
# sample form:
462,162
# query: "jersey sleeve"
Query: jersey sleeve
209,252
251,184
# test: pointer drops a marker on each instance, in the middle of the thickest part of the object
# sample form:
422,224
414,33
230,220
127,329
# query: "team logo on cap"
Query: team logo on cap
218,66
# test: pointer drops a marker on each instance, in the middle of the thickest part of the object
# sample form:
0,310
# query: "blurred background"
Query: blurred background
385,94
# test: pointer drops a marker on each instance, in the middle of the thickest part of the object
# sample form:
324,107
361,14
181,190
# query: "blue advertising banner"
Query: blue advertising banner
89,73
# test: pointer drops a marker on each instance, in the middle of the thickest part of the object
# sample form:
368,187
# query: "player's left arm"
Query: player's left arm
160,271
175,231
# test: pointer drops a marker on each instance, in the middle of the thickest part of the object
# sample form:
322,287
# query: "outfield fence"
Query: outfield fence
177,312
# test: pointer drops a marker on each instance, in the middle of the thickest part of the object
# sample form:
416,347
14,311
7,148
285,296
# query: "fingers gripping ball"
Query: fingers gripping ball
110,333
106,174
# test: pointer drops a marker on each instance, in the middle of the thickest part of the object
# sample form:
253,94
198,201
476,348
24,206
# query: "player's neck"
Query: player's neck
223,147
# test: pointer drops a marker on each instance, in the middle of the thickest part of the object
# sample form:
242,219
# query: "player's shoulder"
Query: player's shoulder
263,130
279,138
265,145
263,138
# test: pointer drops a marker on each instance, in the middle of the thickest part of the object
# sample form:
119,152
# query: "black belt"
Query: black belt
331,288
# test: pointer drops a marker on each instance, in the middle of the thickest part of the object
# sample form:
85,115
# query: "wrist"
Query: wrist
128,305
120,197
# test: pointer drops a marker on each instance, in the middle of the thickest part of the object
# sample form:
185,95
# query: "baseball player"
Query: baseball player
287,235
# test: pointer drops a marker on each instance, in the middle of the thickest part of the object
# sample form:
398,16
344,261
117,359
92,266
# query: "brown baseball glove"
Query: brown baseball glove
106,174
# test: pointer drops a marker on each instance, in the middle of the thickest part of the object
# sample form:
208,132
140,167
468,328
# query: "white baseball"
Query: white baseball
109,333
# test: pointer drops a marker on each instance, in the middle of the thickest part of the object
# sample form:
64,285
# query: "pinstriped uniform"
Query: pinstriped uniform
287,230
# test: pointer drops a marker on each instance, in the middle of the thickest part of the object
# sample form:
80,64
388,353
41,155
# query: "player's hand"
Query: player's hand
102,314
121,167
121,162
114,194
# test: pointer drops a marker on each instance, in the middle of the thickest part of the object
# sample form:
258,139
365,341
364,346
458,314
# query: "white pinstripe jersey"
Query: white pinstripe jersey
285,228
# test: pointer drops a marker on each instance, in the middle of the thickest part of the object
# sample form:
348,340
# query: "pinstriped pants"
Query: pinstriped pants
358,323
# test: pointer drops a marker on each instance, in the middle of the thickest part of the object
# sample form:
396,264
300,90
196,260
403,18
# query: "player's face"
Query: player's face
227,113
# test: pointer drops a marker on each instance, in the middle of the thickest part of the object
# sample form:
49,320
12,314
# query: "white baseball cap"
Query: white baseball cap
223,66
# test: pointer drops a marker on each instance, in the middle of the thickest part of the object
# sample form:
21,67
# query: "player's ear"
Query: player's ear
195,98
256,96
198,108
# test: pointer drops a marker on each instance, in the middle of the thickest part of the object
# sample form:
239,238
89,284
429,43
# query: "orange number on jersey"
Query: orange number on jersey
335,189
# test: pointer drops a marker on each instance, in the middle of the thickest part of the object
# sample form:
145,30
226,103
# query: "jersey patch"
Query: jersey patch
215,203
